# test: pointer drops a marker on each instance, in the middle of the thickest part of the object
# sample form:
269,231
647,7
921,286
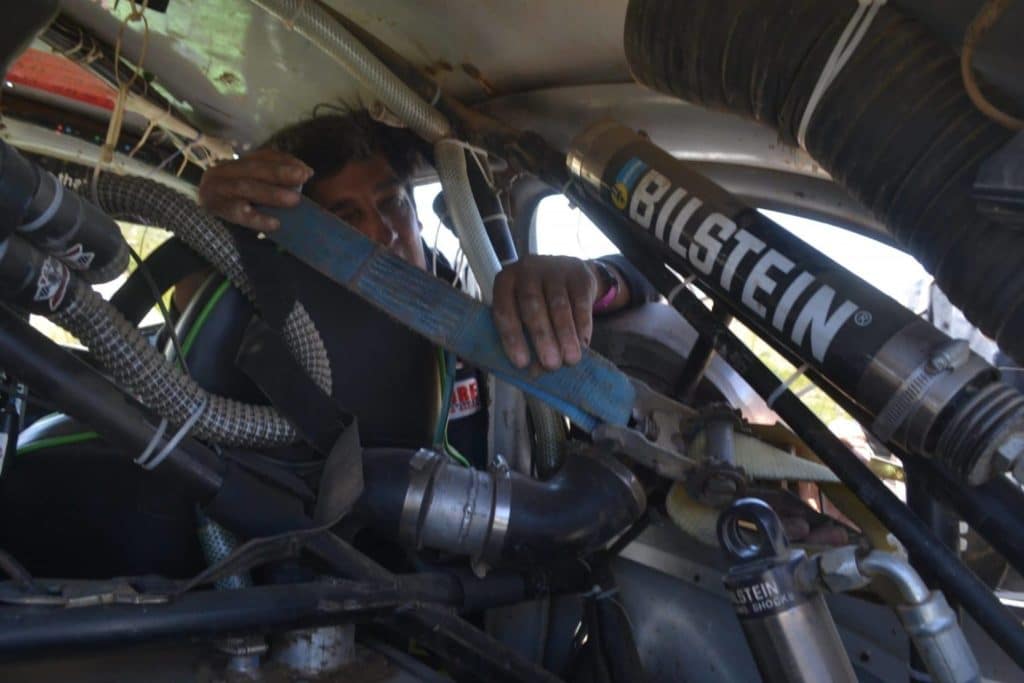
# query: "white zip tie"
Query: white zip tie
157,436
847,44
437,96
494,217
182,432
782,388
680,287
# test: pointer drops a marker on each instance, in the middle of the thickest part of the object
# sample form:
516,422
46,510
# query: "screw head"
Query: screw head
1008,454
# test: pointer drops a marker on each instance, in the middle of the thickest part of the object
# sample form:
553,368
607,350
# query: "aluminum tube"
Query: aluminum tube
929,620
897,570
312,22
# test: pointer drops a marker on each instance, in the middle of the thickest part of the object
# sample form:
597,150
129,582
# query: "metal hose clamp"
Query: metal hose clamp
501,511
421,472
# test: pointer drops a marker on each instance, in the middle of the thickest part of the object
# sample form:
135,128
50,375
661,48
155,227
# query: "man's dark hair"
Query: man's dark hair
328,143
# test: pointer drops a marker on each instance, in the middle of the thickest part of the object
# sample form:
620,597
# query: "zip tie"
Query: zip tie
141,460
679,288
437,96
494,217
175,440
847,44
465,145
598,594
781,389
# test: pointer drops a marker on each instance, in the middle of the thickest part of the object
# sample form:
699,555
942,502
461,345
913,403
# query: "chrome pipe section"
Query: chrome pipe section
930,622
899,572
314,23
498,516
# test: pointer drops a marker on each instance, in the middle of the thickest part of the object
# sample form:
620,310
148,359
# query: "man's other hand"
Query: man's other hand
551,298
267,176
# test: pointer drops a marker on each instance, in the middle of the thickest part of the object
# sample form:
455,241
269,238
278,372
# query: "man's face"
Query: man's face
369,196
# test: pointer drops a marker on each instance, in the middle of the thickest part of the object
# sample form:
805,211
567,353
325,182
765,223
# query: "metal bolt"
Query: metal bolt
950,356
839,571
1008,456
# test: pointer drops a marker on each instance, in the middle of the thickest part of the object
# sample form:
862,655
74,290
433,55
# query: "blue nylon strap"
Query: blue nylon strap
591,392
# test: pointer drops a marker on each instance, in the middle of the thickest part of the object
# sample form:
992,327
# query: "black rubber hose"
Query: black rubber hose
585,505
896,128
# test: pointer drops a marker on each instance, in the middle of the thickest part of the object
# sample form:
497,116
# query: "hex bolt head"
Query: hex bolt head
1008,456
839,570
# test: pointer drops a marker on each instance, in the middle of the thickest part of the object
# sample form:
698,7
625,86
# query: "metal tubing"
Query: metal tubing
38,631
898,571
956,580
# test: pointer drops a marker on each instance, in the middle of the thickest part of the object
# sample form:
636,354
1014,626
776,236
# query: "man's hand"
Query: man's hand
553,298
266,176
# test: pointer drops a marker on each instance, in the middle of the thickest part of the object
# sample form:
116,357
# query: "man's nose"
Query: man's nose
379,229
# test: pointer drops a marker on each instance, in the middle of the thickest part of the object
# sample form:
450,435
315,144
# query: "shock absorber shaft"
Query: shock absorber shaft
926,392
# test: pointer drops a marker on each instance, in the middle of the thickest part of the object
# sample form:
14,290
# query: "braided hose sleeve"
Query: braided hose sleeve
120,348
149,202
314,23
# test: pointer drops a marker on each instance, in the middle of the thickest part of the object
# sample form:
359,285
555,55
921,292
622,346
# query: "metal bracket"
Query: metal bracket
657,440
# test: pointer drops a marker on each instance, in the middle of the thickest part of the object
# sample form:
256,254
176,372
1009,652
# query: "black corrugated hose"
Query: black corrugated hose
896,127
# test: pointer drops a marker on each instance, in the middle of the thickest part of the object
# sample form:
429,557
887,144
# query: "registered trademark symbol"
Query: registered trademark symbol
862,318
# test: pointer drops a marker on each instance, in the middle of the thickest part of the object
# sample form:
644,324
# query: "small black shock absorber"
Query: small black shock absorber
789,628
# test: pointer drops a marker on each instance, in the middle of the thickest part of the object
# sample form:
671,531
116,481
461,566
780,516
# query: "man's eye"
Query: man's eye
393,202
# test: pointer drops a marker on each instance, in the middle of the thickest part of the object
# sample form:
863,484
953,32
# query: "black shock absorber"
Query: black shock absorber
927,393
789,629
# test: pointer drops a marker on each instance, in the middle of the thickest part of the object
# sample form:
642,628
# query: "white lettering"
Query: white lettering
745,244
675,237
666,211
651,188
704,242
822,326
797,287
760,280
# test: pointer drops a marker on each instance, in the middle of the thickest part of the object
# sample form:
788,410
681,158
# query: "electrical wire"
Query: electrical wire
158,296
446,364
987,16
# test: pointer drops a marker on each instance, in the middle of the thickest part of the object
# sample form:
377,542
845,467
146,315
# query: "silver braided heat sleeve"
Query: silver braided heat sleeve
161,385
151,203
